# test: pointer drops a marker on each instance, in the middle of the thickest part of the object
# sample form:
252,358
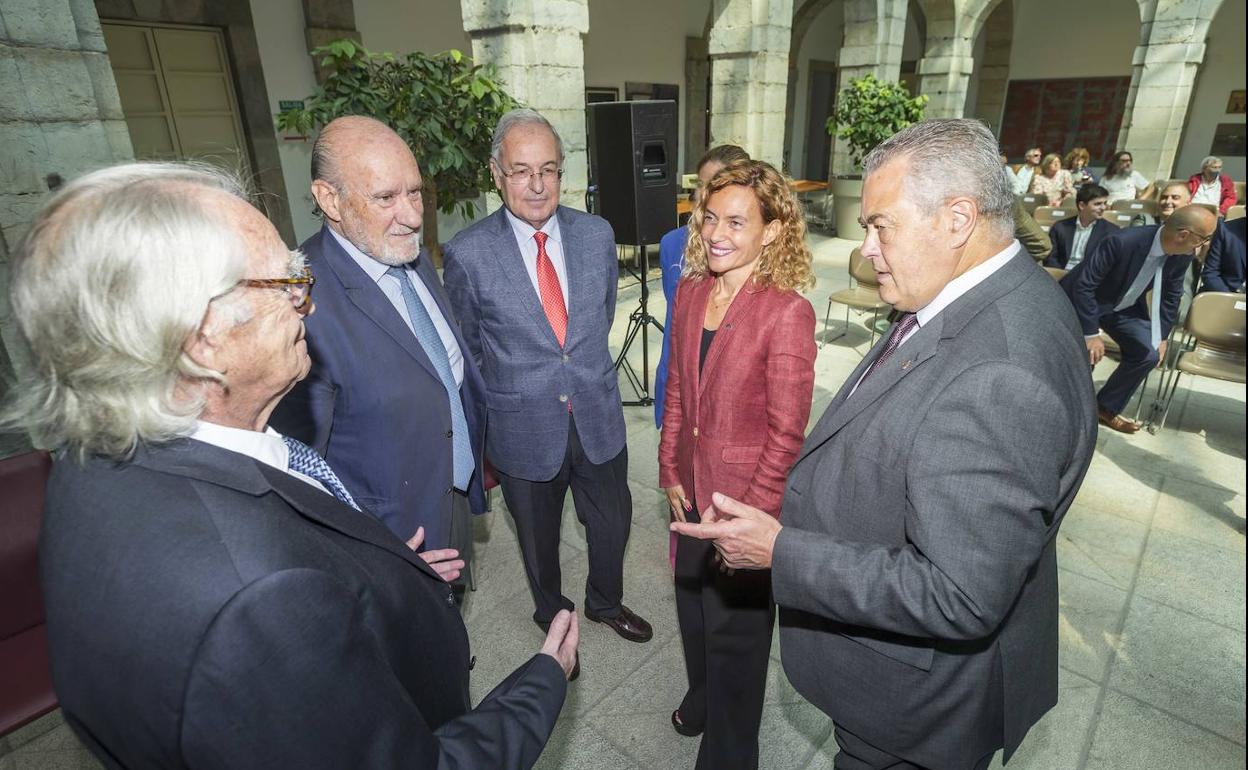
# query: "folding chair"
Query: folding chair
1032,201
1046,216
1118,218
1235,212
863,294
1216,324
1135,207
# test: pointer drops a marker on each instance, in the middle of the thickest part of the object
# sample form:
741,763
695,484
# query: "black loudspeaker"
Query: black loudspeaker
632,165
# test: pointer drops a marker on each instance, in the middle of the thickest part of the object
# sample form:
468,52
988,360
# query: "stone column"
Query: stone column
324,22
749,49
994,70
948,60
697,76
874,33
60,116
537,47
1164,68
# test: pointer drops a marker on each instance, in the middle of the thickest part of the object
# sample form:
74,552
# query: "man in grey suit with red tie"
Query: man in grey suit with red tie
393,401
914,560
533,286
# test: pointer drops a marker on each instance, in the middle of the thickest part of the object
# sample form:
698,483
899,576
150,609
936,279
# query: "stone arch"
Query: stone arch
994,69
948,57
804,14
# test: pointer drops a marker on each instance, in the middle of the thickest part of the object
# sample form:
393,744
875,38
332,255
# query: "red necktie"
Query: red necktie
548,288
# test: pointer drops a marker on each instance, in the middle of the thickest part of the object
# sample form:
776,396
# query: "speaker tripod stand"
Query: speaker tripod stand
639,322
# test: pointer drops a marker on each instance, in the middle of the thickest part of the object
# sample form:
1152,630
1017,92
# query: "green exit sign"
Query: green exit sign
290,104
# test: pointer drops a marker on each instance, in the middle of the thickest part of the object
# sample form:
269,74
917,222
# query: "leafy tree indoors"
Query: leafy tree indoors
444,106
868,111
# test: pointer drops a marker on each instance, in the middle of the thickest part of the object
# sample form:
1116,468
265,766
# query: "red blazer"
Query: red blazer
1228,190
737,428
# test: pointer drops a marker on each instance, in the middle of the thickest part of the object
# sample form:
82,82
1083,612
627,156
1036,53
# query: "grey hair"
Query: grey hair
951,157
113,277
1209,161
522,116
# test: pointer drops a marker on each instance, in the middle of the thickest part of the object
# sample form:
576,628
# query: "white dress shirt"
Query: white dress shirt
390,286
524,233
1123,188
952,292
267,447
1080,243
1210,193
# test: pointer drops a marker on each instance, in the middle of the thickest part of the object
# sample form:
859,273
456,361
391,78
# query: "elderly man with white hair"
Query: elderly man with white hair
215,596
1211,186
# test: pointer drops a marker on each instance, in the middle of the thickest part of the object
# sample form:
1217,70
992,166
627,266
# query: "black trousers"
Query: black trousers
1139,357
725,628
857,754
604,506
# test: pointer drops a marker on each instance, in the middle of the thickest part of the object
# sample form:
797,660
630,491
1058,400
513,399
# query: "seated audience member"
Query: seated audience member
1211,186
1122,181
1110,289
1024,172
1076,161
1029,232
1174,196
1076,236
1224,265
1053,181
215,597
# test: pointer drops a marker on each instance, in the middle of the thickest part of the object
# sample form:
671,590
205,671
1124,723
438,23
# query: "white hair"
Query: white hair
951,157
1209,161
114,276
522,116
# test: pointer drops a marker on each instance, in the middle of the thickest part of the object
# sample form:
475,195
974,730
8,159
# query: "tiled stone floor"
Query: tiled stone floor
1152,603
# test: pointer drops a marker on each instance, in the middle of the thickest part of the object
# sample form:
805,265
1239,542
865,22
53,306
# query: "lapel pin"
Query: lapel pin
906,364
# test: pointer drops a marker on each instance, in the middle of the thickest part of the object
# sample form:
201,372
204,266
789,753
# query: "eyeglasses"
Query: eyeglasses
522,176
298,289
1201,240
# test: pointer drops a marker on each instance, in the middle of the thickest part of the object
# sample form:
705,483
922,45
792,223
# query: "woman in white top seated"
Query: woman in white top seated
1122,181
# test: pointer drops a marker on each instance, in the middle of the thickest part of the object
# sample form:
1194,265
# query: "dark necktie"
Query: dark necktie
304,459
895,338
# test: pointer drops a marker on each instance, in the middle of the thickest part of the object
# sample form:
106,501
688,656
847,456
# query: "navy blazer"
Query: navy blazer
1062,236
206,610
671,263
530,380
373,404
1097,284
1224,265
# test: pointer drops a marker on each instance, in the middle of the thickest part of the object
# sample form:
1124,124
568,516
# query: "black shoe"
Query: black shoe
627,624
686,730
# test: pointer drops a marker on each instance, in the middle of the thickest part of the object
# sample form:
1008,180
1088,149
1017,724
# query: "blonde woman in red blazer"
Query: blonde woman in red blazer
736,404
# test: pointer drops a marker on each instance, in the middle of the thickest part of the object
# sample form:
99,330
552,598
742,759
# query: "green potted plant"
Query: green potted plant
867,112
444,106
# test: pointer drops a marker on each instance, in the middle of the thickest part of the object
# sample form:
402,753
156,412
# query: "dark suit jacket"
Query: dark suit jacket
916,572
529,379
749,403
1098,283
671,263
1224,265
373,404
208,611
1062,236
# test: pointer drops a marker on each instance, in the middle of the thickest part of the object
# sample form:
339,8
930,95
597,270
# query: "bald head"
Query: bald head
368,188
1188,229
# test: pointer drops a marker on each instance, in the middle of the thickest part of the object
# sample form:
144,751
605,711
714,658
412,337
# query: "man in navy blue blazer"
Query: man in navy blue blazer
1110,291
1076,237
1224,265
393,402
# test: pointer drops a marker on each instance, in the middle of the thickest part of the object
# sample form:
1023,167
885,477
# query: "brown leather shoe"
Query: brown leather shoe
1116,421
627,624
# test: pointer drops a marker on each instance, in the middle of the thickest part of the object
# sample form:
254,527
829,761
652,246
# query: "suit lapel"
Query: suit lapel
511,263
578,290
739,315
214,465
369,299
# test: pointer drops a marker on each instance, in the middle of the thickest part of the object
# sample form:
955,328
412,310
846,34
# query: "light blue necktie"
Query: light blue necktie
304,459
429,339
1150,271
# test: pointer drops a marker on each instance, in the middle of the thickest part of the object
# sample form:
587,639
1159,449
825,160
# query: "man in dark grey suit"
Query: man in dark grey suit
533,286
216,598
915,569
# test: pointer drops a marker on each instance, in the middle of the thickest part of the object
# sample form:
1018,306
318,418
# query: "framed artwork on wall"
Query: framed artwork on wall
596,94
1235,103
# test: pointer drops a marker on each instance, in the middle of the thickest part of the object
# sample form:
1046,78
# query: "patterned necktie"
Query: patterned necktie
429,339
304,459
895,338
548,288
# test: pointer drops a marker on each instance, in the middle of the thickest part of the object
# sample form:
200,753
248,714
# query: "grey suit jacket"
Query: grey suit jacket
529,379
916,571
